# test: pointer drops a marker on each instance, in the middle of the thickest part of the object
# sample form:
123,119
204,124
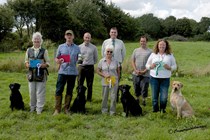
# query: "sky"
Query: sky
192,9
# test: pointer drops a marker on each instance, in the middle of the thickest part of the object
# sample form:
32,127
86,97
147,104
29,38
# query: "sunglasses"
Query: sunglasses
109,51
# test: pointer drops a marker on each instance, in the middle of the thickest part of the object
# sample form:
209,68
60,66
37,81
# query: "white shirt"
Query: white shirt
159,71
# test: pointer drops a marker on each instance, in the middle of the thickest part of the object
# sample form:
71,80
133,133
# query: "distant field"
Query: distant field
194,67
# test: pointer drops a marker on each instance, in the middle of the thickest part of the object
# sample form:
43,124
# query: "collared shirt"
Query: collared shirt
36,52
89,53
140,57
160,71
119,49
68,68
109,69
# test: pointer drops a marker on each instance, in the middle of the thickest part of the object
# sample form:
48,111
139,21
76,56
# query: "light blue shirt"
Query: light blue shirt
68,68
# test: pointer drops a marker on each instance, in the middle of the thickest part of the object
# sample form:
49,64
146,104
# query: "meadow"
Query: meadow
193,71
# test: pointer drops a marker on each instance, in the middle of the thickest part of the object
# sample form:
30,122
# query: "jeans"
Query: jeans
141,85
159,86
62,80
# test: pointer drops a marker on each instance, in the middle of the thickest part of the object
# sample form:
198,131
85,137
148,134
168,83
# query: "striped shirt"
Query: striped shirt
140,57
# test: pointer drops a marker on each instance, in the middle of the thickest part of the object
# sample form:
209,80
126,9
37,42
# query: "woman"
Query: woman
109,70
37,61
161,63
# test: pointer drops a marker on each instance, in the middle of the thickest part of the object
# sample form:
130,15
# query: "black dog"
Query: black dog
80,101
15,97
128,101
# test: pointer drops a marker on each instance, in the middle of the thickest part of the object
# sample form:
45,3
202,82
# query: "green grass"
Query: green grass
193,61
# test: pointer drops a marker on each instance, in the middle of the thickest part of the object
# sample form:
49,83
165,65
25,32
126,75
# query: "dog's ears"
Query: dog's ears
18,85
181,85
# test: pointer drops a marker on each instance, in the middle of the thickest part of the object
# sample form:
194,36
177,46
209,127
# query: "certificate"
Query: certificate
33,63
65,57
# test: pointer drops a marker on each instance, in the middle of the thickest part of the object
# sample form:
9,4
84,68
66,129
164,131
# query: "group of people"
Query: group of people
77,63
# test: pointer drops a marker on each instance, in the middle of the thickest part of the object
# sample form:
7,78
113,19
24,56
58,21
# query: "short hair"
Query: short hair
111,47
144,36
39,35
114,28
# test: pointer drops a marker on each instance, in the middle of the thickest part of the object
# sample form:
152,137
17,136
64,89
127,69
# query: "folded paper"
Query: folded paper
65,57
34,63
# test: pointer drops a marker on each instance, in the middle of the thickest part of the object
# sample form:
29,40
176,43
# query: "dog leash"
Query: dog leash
171,131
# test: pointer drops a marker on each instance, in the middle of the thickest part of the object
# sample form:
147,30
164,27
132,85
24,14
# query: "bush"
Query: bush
176,38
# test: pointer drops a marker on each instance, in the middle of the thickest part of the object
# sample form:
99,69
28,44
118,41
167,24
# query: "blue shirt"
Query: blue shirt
68,68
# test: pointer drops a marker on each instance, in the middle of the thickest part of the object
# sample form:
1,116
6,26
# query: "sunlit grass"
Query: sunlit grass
24,125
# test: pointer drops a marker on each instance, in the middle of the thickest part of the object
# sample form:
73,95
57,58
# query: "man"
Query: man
140,73
89,57
119,49
66,57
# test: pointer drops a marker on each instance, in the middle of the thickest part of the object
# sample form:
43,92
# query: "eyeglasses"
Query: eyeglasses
109,51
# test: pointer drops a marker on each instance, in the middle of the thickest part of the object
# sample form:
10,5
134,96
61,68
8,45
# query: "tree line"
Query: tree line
53,17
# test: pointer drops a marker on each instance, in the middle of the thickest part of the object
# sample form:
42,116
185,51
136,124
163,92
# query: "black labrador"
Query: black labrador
80,101
16,97
128,101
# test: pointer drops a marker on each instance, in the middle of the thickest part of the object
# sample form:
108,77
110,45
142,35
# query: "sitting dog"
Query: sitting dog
80,101
15,97
128,101
178,101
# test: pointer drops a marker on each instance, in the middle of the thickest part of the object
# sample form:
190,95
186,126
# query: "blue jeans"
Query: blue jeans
159,86
61,81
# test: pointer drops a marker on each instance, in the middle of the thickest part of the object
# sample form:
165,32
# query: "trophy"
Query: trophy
80,59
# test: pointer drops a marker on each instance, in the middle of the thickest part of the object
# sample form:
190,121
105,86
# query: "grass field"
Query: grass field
194,67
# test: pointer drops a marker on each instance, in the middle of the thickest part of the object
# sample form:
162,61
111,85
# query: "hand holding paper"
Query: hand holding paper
65,58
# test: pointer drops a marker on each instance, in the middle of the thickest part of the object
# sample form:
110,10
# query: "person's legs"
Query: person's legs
32,94
89,80
69,92
105,95
61,81
136,85
81,75
164,85
40,94
154,82
144,84
113,96
119,82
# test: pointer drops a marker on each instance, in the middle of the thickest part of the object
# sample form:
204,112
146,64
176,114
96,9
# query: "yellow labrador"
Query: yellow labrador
178,101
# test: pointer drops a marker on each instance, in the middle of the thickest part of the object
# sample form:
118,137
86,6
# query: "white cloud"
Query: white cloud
195,9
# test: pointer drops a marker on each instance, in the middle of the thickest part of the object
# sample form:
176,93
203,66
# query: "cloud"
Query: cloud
164,8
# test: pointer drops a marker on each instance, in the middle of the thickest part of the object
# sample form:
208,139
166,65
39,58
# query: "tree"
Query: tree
114,17
204,24
183,27
169,25
52,18
148,24
6,21
85,16
24,15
